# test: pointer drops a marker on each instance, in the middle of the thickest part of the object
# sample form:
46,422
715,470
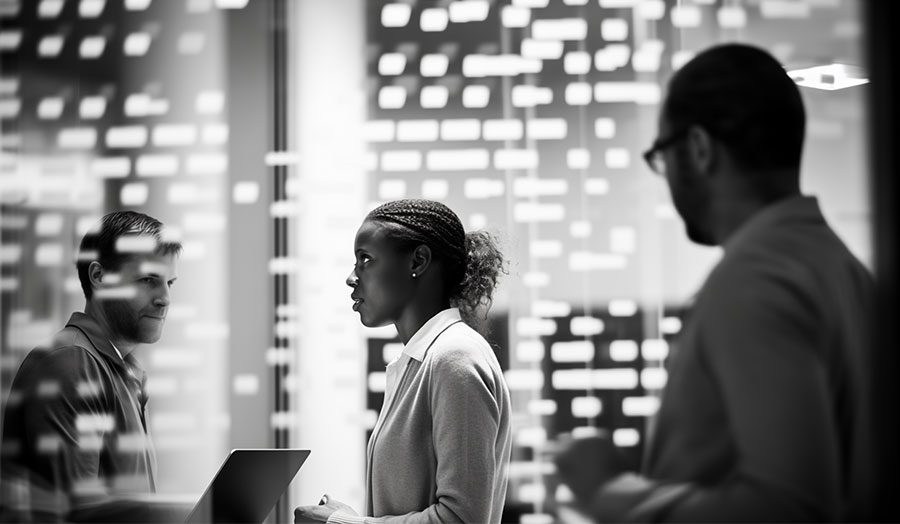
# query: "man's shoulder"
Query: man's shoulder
787,273
68,353
796,239
807,255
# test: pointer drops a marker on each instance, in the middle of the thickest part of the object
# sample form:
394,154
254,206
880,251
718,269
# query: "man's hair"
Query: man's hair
744,98
103,244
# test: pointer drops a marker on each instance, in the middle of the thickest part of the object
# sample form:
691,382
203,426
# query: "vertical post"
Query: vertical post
250,245
881,36
327,61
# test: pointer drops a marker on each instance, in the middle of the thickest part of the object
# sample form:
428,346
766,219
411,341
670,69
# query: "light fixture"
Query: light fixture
829,77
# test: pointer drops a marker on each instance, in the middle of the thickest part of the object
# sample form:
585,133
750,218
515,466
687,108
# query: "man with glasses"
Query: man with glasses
765,416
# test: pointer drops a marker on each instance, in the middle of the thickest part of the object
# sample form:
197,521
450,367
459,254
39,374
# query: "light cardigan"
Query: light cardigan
440,449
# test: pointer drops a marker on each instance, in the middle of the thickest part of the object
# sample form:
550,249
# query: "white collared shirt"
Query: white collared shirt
422,339
415,349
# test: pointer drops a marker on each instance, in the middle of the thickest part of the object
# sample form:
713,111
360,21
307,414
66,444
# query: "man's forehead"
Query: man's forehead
157,267
152,264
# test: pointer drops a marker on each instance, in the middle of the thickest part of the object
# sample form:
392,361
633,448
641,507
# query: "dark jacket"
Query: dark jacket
75,428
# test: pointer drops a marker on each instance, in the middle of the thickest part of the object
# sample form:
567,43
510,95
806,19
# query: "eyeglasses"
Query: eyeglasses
653,156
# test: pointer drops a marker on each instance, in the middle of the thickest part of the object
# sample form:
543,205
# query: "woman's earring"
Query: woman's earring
414,275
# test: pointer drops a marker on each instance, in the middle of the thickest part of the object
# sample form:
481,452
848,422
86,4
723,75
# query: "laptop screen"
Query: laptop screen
247,486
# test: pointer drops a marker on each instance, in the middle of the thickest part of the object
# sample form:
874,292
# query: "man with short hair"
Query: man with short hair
765,415
75,440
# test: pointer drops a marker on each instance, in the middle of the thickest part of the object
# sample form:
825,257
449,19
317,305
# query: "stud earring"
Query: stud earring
414,275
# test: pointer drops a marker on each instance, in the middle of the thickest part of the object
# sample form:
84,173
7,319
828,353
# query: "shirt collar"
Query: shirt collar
423,338
117,351
100,341
800,207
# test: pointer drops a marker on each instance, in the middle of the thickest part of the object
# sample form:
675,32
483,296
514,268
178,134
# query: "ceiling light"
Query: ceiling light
829,77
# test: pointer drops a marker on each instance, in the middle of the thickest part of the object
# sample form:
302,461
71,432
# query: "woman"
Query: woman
440,449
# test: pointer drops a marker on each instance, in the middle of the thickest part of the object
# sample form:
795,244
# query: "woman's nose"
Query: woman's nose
352,279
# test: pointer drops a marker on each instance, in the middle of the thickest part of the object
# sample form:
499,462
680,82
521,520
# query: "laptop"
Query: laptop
247,486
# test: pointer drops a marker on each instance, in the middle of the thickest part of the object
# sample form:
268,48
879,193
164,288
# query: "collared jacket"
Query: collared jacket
766,413
75,426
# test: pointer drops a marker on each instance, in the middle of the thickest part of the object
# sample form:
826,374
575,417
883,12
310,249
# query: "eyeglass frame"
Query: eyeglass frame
651,156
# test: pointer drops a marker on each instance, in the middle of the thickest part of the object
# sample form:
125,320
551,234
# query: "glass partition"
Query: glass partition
263,131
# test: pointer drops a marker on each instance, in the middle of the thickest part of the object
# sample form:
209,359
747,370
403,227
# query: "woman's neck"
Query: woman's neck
416,315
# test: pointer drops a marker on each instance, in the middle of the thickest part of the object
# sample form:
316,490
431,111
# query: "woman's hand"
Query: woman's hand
320,512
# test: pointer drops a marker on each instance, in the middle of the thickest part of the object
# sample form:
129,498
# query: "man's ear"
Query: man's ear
701,149
95,274
421,259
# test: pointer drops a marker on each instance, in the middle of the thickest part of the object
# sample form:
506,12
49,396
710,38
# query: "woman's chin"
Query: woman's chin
370,322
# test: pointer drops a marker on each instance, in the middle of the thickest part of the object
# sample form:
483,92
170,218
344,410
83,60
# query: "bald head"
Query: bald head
744,98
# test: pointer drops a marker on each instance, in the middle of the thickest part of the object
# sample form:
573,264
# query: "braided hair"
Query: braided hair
472,261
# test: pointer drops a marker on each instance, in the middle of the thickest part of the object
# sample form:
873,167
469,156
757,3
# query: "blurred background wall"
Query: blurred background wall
263,131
